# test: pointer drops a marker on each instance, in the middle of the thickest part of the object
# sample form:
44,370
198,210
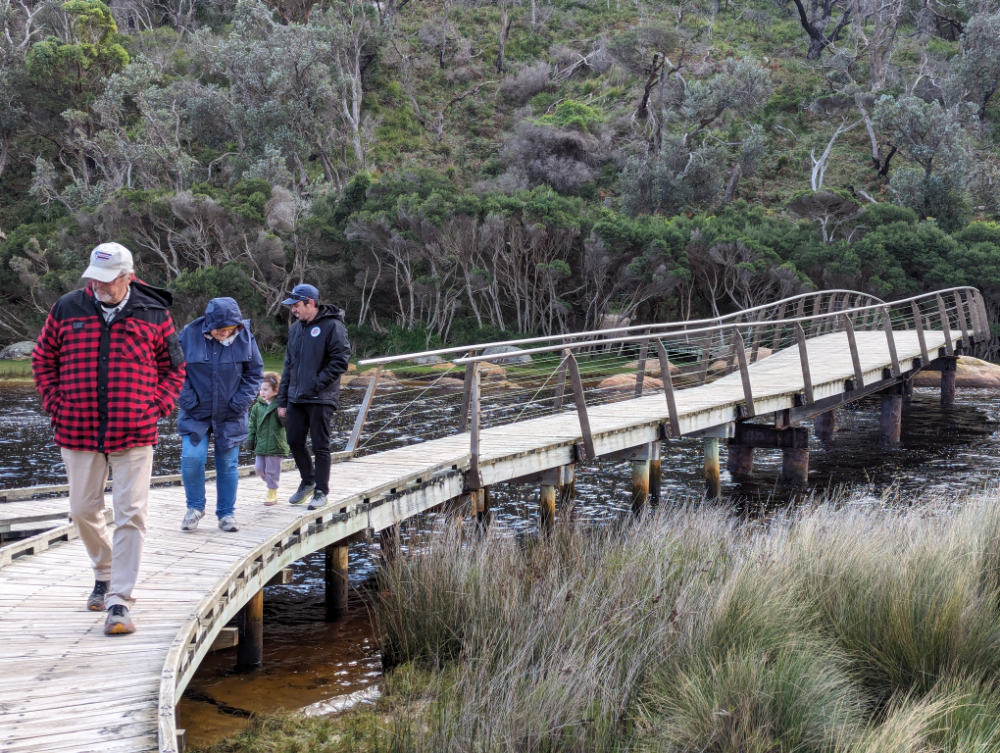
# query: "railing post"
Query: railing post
949,346
581,407
640,374
780,326
890,340
668,389
758,332
859,376
463,416
960,308
359,422
984,316
706,357
476,479
807,385
918,324
561,380
970,304
744,372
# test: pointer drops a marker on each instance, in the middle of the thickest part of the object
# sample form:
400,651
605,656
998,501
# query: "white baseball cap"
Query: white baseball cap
107,261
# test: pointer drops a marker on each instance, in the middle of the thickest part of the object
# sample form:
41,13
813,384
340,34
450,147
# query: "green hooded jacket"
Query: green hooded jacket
267,431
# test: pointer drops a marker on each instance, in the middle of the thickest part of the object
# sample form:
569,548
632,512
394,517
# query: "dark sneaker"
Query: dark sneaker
95,602
118,621
318,500
302,494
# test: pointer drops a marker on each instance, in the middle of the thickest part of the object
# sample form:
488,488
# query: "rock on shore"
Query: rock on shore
972,372
626,383
18,351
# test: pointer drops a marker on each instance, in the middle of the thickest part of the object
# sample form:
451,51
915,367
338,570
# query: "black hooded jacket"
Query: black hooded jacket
316,356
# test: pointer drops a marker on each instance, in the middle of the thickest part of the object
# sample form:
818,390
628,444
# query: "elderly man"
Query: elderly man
317,354
108,366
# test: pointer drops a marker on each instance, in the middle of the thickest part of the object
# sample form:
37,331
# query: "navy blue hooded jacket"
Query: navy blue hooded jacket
222,380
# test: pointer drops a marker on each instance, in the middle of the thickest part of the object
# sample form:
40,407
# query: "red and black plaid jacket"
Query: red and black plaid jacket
106,385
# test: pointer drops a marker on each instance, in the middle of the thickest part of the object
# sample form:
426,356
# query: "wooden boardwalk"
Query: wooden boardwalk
64,686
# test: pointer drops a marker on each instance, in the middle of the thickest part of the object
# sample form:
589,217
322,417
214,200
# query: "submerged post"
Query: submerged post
794,459
640,483
250,625
891,417
739,463
336,581
388,540
547,507
826,425
949,370
713,477
483,509
655,472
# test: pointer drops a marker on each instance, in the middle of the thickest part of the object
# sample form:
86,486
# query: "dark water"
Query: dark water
307,661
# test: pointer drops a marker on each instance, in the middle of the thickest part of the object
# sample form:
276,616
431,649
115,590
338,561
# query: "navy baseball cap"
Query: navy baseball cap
302,292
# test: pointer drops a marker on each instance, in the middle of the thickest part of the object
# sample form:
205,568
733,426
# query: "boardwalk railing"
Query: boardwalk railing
493,384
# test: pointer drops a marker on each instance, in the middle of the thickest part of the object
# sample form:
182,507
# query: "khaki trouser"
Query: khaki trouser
88,475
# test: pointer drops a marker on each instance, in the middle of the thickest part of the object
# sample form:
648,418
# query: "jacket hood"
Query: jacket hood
221,312
328,310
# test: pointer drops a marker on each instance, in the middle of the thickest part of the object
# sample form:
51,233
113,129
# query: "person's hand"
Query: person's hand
282,412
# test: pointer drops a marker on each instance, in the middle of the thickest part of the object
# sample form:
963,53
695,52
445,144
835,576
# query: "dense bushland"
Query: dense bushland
833,628
454,169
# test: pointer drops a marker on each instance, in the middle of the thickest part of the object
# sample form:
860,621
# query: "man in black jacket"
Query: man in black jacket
317,354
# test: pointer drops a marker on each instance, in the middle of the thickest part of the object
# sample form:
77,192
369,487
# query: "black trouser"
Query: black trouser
312,420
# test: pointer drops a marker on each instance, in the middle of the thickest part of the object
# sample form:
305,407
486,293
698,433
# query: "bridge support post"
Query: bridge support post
713,476
825,425
640,484
547,507
739,462
891,417
655,472
388,541
250,624
794,458
907,390
795,467
336,581
949,370
483,509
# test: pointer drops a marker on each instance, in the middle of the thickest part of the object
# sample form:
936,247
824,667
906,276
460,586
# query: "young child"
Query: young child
267,435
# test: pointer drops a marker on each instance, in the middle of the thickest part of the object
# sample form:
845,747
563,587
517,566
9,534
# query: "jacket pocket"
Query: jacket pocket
135,344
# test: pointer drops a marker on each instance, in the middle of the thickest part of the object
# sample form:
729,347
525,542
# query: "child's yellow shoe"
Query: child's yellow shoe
271,498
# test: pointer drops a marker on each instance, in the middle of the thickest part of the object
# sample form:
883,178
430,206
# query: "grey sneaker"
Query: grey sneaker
228,524
191,519
95,602
318,500
302,494
118,621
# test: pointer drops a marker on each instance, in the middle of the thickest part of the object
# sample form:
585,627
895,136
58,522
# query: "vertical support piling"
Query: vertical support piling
640,485
740,462
949,370
547,507
250,624
890,418
795,466
388,540
336,581
655,473
483,513
713,478
826,425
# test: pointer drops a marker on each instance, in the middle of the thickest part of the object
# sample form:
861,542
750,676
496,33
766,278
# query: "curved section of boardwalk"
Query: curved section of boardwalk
64,686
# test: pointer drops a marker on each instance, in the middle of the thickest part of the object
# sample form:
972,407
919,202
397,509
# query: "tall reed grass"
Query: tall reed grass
829,629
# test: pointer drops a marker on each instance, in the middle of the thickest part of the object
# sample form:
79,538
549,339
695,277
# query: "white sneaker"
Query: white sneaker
191,519
228,524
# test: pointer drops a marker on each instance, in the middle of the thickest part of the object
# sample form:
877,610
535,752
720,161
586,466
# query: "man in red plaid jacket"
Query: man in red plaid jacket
108,366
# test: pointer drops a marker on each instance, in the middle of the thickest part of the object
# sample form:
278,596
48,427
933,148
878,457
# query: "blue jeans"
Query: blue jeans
193,457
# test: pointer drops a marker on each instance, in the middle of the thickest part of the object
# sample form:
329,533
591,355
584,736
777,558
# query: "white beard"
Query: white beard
102,296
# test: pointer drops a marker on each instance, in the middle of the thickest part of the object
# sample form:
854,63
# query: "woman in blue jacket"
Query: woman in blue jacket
224,372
